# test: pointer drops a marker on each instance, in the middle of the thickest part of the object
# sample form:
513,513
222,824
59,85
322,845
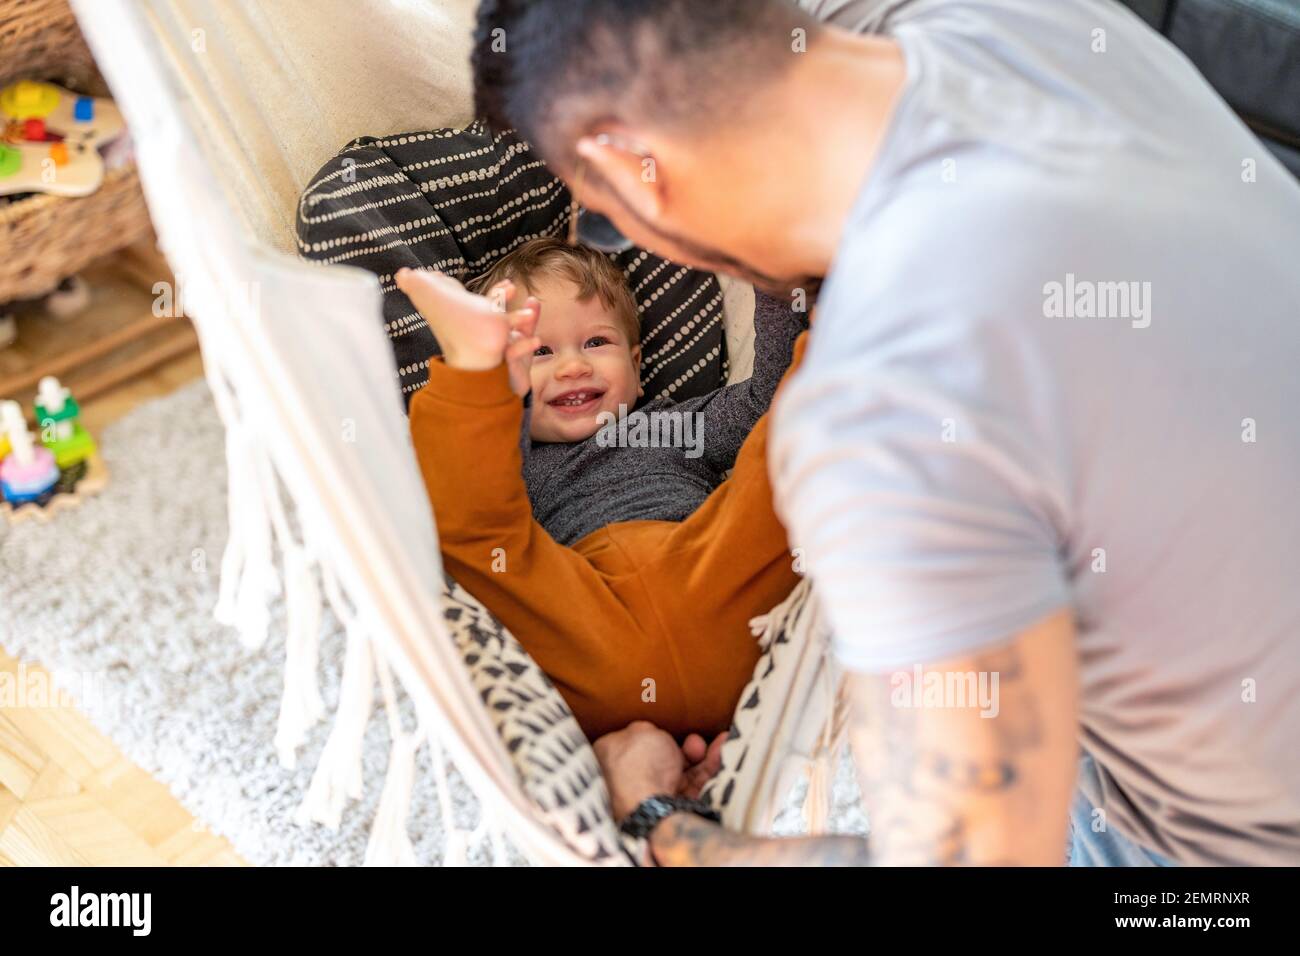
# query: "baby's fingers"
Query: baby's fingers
524,321
522,348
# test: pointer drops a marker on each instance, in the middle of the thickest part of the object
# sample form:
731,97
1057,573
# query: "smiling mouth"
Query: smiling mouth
576,402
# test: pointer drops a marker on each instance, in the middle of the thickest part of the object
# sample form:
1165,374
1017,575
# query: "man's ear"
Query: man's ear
628,170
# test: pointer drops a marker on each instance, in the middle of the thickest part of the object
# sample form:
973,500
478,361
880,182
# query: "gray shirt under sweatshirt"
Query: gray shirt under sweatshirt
664,458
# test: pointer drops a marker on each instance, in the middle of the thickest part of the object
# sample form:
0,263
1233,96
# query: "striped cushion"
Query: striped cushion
458,201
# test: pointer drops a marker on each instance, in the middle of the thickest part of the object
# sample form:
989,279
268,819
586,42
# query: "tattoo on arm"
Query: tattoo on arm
919,791
687,840
942,790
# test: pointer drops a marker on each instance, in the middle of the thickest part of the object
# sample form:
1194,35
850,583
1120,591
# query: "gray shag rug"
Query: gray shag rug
116,596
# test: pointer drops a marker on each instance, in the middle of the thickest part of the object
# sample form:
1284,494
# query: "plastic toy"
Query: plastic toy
29,472
61,433
38,480
52,139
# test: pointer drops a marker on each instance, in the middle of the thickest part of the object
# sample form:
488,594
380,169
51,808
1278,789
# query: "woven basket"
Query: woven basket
47,238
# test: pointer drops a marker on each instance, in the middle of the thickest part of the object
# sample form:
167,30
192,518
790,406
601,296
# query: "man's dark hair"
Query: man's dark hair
550,69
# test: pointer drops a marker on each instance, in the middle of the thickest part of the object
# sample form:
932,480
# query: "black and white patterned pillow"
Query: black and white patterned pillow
556,766
459,200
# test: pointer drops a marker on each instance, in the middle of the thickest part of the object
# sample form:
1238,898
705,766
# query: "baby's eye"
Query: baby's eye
542,350
595,341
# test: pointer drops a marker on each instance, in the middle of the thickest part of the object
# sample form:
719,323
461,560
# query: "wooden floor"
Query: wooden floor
67,795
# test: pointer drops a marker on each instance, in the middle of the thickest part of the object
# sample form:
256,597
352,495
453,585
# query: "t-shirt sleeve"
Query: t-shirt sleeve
927,514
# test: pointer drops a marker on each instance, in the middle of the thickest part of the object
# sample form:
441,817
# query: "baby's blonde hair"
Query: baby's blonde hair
590,271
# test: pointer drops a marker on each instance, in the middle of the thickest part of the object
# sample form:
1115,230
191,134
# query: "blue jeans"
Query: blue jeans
1108,848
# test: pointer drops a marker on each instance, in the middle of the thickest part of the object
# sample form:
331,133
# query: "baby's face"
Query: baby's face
585,366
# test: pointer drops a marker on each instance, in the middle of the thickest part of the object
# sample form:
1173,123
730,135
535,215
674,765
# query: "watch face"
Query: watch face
654,809
662,806
646,816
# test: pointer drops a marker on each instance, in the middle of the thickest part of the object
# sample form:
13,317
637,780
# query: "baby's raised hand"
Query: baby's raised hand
473,330
523,339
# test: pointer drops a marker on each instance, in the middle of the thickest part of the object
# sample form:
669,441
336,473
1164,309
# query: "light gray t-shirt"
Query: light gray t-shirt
1057,363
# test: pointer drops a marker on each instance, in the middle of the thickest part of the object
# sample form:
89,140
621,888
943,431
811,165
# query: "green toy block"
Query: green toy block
71,451
70,410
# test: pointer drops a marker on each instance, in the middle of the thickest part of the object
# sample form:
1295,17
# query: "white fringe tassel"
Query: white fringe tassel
390,843
301,706
248,583
456,848
338,776
248,576
825,758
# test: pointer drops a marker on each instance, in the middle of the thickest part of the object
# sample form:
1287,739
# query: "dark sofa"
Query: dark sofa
1250,51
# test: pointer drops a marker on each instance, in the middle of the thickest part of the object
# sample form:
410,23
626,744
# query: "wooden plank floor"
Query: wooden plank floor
67,795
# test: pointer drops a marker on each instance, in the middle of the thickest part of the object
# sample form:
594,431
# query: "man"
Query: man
1045,431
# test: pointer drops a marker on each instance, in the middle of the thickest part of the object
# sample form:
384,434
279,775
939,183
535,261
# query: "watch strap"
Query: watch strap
653,810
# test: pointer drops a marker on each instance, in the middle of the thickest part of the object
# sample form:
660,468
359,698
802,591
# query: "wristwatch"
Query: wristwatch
653,810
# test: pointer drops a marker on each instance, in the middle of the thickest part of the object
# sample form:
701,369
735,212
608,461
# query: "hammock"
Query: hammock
233,105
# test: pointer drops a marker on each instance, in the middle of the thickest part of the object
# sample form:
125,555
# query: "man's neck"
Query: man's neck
835,108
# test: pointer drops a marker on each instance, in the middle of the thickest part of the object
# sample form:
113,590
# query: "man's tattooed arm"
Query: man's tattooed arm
984,784
687,840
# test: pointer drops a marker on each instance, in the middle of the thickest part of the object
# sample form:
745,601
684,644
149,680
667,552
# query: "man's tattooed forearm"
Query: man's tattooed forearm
919,792
687,840
986,776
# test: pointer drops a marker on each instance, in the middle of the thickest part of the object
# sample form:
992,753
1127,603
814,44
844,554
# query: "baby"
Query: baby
602,534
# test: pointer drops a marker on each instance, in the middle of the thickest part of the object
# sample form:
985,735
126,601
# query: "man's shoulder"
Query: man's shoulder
860,16
938,251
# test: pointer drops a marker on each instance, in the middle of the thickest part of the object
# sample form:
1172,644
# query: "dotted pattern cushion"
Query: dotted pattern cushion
459,200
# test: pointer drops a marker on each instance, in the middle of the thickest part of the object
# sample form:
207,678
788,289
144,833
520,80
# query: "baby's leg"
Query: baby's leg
572,621
727,563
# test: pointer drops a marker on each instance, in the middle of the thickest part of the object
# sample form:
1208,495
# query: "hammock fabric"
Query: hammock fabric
233,104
